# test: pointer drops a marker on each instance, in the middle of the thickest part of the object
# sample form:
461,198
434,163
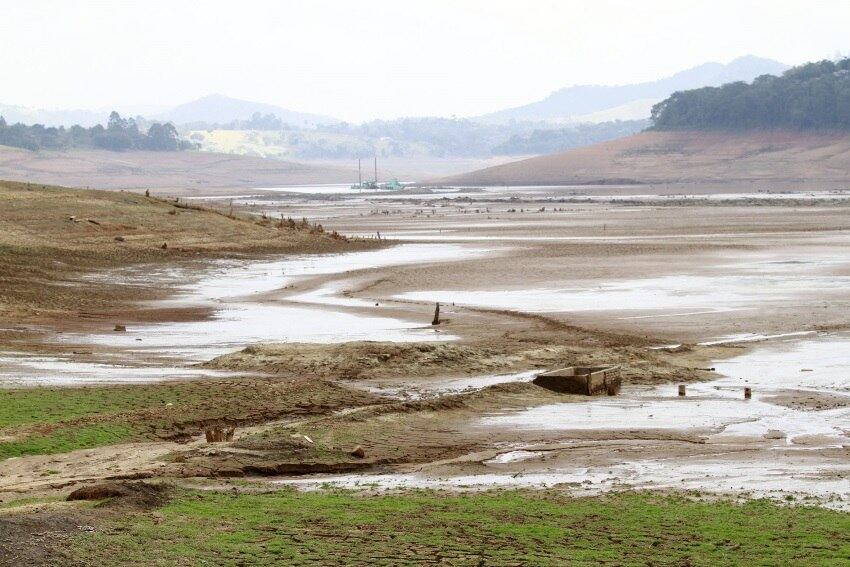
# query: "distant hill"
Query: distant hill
683,156
69,117
187,172
814,96
211,109
220,109
579,103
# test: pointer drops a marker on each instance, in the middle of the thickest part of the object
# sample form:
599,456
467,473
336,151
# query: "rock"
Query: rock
164,246
119,239
358,452
97,492
774,434
218,434
120,328
137,494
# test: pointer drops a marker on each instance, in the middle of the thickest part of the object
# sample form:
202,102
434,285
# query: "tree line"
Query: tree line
553,141
120,134
814,96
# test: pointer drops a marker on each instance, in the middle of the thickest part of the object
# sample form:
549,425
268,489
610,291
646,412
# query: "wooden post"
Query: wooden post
681,390
436,320
748,393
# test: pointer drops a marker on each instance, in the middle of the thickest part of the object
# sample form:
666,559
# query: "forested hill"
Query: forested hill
815,96
119,135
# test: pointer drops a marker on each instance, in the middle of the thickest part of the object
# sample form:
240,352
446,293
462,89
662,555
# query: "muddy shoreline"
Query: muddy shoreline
458,405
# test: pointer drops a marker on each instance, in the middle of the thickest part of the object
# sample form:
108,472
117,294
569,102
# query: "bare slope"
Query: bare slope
52,235
160,170
669,157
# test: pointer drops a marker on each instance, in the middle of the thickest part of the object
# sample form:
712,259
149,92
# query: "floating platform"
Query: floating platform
583,380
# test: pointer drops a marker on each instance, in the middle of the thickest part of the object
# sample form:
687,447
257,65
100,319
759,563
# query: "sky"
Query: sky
384,59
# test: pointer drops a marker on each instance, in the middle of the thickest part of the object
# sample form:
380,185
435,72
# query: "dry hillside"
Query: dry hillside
160,170
689,157
52,235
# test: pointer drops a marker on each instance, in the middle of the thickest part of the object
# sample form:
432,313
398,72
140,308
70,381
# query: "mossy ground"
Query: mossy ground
490,528
37,421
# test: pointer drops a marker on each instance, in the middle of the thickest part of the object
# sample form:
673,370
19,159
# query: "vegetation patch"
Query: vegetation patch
492,528
36,421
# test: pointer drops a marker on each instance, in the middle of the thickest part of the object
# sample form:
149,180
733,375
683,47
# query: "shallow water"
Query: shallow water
719,405
728,283
693,293
21,369
431,388
229,288
713,409
232,279
820,363
760,478
237,325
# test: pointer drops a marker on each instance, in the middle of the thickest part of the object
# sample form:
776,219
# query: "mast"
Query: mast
376,170
359,175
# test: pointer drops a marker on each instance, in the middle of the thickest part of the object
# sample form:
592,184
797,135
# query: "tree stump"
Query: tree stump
436,320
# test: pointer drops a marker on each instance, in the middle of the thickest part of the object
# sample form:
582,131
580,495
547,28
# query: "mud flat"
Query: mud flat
527,282
648,437
757,280
246,305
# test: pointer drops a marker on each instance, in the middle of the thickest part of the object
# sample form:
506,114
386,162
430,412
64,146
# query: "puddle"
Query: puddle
751,338
781,364
514,457
758,478
28,370
240,324
442,387
623,412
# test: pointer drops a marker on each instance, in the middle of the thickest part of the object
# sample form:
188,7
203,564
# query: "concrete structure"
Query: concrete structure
586,380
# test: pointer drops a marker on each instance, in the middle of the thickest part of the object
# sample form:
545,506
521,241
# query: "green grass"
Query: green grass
493,528
51,405
42,420
65,440
55,420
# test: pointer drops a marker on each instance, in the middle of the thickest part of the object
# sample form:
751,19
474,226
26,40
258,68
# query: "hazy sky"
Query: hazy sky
363,59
